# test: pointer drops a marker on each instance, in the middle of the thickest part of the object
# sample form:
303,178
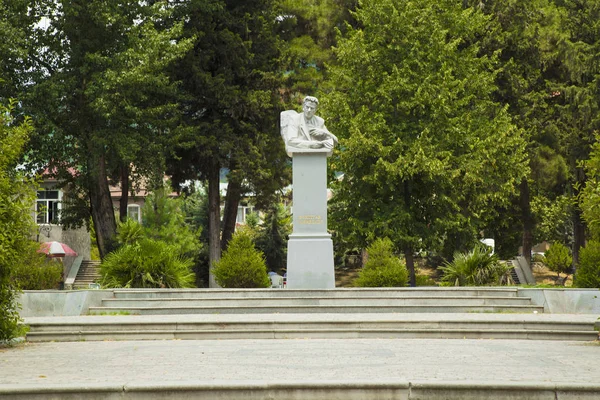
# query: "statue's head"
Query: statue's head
309,106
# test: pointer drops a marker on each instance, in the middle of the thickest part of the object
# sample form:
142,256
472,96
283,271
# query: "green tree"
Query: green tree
17,194
588,273
577,109
163,223
100,96
558,259
242,266
427,154
523,36
589,198
273,236
383,268
308,29
230,104
163,218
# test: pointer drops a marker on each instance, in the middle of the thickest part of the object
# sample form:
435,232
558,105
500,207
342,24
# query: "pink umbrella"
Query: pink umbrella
56,249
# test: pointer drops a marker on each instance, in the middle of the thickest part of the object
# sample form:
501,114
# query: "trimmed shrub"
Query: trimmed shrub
476,268
241,266
147,263
558,259
383,268
588,271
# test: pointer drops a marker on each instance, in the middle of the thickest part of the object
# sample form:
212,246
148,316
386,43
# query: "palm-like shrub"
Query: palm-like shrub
558,259
588,271
383,268
147,263
129,232
241,266
475,268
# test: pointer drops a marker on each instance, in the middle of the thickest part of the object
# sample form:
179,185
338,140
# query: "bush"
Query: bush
147,263
476,268
241,266
424,280
383,268
558,259
17,194
36,272
588,271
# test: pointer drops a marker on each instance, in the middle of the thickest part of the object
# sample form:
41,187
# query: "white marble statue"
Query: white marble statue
305,130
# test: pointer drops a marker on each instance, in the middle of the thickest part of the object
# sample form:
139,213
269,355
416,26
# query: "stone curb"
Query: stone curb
391,389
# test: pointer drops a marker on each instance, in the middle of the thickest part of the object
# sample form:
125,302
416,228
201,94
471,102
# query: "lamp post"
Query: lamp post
45,229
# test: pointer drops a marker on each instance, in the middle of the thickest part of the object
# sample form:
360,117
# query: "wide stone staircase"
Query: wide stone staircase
89,273
435,312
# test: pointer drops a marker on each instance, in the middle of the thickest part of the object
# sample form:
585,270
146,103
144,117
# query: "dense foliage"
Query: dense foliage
35,271
16,226
273,235
147,263
476,268
455,117
160,252
383,268
241,266
427,153
558,259
588,273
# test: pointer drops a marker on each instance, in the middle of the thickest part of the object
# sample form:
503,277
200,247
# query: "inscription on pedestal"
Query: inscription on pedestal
310,219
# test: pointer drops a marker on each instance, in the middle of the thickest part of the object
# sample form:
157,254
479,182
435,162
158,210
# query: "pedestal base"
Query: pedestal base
310,262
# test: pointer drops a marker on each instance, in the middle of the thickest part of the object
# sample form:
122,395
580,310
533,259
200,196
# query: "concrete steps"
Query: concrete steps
313,326
336,313
283,301
88,273
304,293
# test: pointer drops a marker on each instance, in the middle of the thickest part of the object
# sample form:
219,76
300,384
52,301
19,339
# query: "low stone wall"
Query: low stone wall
49,303
565,300
54,303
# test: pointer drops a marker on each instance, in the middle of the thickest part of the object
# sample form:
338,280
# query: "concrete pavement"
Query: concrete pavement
303,368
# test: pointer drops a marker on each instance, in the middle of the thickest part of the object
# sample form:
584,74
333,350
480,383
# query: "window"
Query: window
133,212
242,213
47,206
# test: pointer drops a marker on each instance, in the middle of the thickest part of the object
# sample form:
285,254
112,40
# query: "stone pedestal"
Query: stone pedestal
310,249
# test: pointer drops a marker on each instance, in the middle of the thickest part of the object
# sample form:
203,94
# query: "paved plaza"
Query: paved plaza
273,362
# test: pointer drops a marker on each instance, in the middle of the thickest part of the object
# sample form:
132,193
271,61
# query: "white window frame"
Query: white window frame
138,211
51,207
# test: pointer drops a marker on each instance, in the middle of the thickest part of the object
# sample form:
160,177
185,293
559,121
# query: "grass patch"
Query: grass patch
111,313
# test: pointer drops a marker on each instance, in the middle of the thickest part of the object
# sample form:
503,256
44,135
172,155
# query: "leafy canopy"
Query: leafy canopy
427,154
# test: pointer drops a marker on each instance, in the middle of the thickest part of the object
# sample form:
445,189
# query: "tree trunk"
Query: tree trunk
408,249
124,201
232,200
364,257
103,214
410,265
578,223
214,222
578,237
524,200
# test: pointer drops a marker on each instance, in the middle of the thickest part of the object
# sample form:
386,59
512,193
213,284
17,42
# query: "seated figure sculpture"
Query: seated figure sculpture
306,130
